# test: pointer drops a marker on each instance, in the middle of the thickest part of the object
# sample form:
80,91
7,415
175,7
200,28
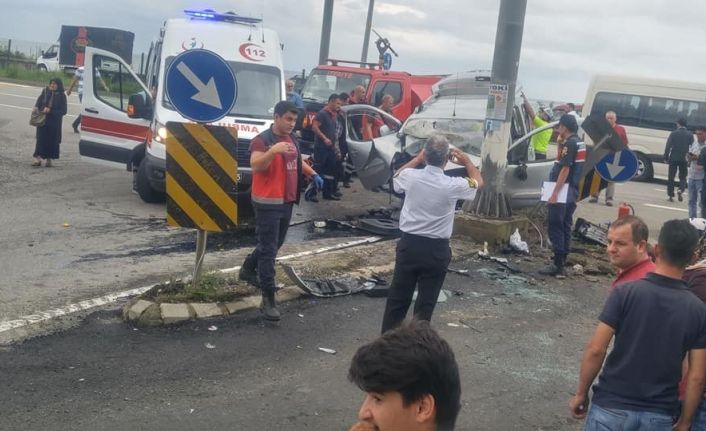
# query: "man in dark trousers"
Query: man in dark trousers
426,222
277,170
325,140
566,171
655,322
675,153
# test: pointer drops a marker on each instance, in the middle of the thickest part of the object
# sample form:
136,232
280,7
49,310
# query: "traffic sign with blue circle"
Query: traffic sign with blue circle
618,167
201,86
387,61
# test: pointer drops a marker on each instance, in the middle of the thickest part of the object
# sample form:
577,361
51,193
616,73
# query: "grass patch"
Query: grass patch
33,76
214,287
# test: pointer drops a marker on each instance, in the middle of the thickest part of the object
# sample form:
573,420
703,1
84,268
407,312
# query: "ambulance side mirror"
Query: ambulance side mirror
139,106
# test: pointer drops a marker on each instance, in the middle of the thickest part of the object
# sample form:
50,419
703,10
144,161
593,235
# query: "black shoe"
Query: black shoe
679,196
553,269
670,199
268,307
332,198
347,185
337,194
249,276
75,129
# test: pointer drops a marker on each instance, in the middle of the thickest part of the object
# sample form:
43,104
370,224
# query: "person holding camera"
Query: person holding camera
426,222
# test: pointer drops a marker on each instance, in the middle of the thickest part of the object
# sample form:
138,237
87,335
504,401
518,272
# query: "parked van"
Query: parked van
648,109
126,125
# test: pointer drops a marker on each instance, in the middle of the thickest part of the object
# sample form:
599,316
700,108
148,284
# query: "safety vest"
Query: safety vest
268,185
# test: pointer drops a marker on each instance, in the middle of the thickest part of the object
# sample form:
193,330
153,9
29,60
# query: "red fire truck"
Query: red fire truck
337,76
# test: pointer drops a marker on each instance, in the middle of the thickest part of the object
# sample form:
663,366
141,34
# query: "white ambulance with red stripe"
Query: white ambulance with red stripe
125,125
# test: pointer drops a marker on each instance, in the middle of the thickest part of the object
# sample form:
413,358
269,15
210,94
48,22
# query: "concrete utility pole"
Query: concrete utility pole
326,31
368,26
491,201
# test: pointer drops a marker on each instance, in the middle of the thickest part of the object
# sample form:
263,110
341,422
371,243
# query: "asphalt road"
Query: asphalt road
76,231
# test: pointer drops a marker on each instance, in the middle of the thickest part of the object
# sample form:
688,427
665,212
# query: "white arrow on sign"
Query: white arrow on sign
206,93
614,168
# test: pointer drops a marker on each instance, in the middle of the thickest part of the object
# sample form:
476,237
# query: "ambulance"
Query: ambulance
124,125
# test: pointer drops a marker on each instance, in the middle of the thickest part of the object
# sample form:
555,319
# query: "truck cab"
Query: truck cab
49,60
407,90
125,126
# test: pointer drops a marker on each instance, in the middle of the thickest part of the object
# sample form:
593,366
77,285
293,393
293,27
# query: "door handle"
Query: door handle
91,110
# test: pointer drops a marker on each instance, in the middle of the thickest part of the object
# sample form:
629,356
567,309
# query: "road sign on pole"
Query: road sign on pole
201,86
618,167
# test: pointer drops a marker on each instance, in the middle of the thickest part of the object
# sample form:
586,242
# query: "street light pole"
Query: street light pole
368,26
490,200
326,31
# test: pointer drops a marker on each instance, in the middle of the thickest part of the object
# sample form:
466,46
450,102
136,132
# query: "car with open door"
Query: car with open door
461,119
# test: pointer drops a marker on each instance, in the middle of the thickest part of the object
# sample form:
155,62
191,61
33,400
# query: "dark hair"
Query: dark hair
284,106
59,84
571,105
414,361
569,121
344,96
640,231
333,97
678,240
700,128
681,122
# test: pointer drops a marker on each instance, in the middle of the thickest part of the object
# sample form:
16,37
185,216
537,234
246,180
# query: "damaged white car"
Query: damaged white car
460,117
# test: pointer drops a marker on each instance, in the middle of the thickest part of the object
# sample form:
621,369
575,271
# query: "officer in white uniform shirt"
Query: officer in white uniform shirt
426,222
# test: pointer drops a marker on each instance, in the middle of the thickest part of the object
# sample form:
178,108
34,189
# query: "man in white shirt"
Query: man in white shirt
426,222
695,176
78,82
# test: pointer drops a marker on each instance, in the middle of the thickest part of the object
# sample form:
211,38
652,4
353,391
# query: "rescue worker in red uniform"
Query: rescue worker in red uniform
277,170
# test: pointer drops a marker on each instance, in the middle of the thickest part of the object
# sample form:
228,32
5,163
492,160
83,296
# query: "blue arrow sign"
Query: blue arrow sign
618,167
387,61
201,86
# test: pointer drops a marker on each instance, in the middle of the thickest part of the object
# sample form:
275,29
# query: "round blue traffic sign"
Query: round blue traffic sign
201,86
618,167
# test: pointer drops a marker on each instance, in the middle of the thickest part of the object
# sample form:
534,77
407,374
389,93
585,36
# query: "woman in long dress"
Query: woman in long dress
52,102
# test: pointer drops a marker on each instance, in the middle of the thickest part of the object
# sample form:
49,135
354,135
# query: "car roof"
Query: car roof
464,107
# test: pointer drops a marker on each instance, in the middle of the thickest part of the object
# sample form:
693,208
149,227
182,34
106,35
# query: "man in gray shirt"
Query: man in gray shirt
696,173
675,153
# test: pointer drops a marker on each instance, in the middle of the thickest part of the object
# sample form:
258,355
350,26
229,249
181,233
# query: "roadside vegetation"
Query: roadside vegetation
214,287
32,77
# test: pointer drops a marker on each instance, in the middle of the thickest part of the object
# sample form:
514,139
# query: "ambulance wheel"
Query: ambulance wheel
144,189
644,168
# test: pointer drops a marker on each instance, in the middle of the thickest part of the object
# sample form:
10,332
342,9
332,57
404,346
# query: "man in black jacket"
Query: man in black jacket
675,154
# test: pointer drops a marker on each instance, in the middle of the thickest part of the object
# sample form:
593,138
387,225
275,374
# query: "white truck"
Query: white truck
126,126
68,53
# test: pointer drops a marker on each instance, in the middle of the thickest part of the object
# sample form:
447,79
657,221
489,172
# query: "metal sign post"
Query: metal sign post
201,160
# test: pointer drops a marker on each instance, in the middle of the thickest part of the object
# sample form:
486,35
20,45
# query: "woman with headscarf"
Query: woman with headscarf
52,102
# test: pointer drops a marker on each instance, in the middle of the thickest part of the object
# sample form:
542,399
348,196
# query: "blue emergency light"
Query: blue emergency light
212,15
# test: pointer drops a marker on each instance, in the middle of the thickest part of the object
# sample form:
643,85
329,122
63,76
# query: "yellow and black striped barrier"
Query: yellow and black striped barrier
202,171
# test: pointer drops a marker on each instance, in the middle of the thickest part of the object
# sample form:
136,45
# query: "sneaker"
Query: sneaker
680,198
75,129
338,194
332,198
670,199
593,199
609,203
347,184
552,269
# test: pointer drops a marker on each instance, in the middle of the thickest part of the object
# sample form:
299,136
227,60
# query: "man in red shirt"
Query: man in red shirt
627,249
612,118
277,169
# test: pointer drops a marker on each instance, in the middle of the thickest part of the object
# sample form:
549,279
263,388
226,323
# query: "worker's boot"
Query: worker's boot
248,271
556,268
268,307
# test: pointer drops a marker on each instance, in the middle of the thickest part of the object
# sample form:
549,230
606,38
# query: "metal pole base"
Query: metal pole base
200,253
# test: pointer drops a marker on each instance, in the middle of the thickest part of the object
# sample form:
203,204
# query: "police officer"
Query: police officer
276,184
324,128
566,171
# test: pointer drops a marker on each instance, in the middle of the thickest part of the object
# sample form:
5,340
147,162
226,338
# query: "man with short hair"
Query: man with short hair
627,249
540,141
293,96
612,119
696,176
426,222
655,322
277,170
411,379
566,171
675,153
324,127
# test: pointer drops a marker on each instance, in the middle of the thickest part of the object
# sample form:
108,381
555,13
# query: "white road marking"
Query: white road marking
667,208
12,84
110,298
29,109
33,98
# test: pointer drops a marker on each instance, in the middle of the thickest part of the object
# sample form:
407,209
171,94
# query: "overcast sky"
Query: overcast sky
565,41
